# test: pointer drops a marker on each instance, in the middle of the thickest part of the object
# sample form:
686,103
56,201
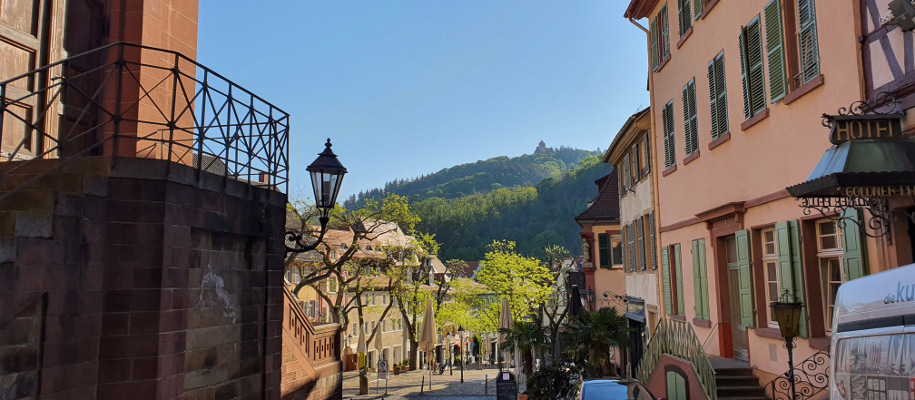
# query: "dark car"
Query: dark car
613,389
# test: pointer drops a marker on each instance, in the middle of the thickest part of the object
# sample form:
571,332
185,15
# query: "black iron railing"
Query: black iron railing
137,101
811,377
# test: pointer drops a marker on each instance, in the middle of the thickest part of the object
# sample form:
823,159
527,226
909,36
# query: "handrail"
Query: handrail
319,343
710,333
811,377
677,338
297,322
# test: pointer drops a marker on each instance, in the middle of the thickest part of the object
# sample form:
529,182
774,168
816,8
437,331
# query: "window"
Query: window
685,17
667,120
636,166
640,227
619,180
626,172
384,326
775,53
672,277
354,329
770,269
718,96
625,246
807,40
616,251
660,38
832,273
698,6
751,69
690,121
332,285
603,245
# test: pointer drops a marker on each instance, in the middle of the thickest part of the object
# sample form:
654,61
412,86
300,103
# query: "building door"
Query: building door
738,331
637,343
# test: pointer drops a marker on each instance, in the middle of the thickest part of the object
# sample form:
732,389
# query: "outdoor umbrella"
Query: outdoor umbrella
427,337
361,348
379,347
505,322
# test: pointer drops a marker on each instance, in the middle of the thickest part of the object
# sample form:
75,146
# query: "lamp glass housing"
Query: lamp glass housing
326,176
788,316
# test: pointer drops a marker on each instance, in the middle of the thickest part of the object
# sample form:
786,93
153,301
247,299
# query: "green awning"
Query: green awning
860,163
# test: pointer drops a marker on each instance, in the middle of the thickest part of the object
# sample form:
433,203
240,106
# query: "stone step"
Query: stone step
743,398
741,391
738,380
734,372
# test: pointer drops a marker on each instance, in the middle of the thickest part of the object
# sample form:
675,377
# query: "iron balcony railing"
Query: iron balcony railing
678,339
127,100
811,378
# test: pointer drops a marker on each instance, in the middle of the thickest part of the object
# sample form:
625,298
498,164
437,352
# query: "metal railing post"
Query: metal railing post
203,121
171,122
117,106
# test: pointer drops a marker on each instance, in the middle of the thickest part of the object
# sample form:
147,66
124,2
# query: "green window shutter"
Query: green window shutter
687,136
698,6
807,38
654,44
853,244
603,245
722,101
647,153
626,173
679,269
665,278
690,121
700,279
712,98
670,151
654,255
640,225
664,26
757,74
744,279
684,13
744,76
797,265
632,257
625,245
775,52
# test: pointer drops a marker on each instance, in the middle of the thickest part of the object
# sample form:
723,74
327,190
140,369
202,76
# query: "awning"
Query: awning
860,163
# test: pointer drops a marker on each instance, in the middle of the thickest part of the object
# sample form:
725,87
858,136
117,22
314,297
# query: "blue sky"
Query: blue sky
408,87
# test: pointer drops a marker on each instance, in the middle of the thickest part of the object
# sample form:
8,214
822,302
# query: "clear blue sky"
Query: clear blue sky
405,88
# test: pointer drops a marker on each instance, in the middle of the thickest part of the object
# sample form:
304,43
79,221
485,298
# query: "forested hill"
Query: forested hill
531,199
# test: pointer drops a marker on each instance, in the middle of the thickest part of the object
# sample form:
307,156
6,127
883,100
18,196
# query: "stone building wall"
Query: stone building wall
141,279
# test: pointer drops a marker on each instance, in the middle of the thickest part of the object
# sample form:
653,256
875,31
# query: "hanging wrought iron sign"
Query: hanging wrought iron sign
844,128
836,208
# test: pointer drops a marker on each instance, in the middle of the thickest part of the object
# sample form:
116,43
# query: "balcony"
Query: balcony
126,100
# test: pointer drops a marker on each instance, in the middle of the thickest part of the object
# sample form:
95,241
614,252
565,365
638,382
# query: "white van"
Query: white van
873,341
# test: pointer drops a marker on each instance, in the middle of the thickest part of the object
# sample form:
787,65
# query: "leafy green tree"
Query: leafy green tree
591,335
524,281
555,309
528,337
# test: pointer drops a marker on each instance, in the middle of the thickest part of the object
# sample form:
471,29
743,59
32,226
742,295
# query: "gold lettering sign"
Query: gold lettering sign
862,127
879,191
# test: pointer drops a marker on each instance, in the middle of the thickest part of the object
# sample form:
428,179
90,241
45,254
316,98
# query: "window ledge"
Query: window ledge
721,139
669,170
662,64
678,317
684,37
767,332
702,322
803,89
819,343
754,120
708,7
691,157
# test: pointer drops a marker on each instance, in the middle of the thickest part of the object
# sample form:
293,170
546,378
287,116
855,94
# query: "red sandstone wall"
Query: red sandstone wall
657,382
140,281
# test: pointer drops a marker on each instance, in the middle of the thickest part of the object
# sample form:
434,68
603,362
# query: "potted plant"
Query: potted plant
396,368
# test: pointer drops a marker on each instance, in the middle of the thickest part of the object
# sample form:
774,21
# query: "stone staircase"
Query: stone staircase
738,384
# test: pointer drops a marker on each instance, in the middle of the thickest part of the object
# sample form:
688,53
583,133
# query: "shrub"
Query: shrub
553,381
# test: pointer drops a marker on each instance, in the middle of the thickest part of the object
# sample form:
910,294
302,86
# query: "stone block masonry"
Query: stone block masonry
140,279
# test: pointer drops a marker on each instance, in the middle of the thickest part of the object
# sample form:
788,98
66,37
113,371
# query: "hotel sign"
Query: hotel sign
879,191
845,128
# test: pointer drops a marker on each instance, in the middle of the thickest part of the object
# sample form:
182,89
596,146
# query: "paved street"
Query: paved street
444,387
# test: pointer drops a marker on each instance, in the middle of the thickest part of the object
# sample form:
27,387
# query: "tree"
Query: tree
591,335
555,309
524,281
528,337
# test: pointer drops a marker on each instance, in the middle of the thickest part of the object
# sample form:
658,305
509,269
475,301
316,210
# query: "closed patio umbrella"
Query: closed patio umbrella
505,322
427,336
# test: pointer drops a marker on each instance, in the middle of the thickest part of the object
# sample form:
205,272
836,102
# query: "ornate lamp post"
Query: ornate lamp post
590,297
326,176
788,314
461,335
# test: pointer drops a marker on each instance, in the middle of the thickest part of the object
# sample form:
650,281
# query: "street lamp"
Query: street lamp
590,296
326,176
787,313
461,334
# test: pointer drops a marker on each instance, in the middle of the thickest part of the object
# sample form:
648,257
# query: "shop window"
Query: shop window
770,269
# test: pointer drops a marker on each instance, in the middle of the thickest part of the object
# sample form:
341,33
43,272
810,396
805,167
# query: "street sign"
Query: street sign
383,369
506,386
383,364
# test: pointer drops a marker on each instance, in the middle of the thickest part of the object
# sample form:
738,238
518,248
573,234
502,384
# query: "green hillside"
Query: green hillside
531,199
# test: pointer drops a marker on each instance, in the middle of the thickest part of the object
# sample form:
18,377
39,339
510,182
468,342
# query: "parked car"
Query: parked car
612,389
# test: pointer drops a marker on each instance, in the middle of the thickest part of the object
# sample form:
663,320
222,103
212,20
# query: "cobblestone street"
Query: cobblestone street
444,387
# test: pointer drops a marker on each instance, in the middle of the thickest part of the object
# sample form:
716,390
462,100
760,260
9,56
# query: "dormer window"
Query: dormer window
343,246
368,248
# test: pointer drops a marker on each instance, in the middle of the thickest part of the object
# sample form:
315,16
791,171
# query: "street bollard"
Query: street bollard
486,385
422,385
